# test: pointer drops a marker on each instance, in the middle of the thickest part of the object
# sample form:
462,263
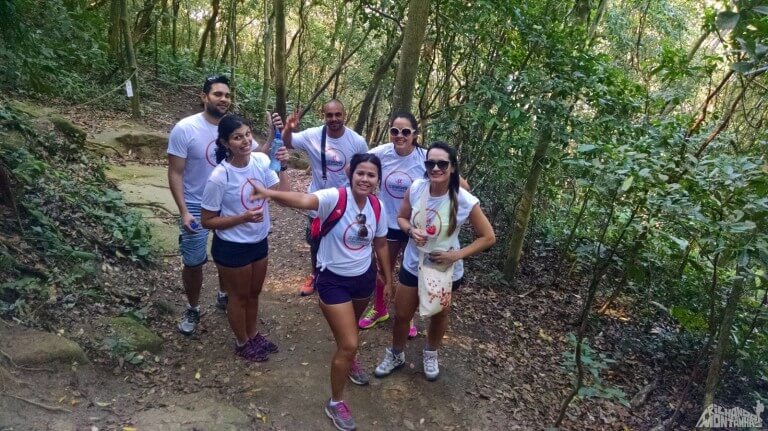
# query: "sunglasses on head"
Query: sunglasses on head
406,132
362,231
441,164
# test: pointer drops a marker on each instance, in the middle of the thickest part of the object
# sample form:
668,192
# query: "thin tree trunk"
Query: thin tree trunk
174,25
523,213
385,61
131,56
208,33
266,78
407,70
723,338
280,71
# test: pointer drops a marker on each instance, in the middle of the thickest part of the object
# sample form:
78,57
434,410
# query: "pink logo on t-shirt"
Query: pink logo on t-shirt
335,160
245,194
396,183
352,239
434,221
210,153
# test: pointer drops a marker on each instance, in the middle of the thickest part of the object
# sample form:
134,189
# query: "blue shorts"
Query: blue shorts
411,280
192,246
337,289
237,254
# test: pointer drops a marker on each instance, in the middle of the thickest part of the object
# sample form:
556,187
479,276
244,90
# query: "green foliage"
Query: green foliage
593,363
72,218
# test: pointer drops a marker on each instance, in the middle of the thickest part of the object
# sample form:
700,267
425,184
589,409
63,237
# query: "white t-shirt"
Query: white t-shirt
398,173
193,138
228,191
343,251
338,152
438,215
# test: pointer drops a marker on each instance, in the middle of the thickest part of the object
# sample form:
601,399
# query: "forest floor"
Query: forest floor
502,365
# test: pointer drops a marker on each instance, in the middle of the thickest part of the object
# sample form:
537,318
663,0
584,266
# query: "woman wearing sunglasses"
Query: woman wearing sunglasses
346,272
402,161
447,207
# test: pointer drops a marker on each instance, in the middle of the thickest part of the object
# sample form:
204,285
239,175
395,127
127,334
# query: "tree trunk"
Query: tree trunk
407,70
266,78
723,338
385,61
131,57
523,213
174,25
115,30
280,90
208,33
144,21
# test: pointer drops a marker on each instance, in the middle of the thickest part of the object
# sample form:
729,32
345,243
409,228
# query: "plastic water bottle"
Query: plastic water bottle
277,143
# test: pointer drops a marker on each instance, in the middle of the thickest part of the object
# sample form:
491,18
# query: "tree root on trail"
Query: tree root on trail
10,361
41,405
156,205
106,147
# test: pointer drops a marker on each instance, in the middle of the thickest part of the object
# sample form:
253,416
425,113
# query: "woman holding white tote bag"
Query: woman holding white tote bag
432,213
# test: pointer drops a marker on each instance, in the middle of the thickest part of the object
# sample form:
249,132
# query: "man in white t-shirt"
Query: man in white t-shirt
191,158
341,143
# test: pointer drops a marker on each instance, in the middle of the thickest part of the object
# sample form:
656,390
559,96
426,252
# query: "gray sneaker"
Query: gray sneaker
340,415
189,322
431,367
357,375
389,363
221,301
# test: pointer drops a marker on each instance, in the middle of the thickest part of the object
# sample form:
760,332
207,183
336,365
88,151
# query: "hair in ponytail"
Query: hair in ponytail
453,182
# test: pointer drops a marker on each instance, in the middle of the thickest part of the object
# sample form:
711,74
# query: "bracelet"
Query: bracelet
283,168
408,232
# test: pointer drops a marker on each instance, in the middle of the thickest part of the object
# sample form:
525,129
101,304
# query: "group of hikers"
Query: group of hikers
365,208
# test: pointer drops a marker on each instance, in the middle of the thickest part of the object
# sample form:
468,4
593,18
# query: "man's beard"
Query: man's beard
214,111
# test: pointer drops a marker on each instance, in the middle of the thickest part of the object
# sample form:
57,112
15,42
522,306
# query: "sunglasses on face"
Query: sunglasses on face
441,164
362,231
406,132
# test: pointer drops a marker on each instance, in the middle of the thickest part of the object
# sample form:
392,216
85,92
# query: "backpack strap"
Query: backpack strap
337,213
376,205
322,153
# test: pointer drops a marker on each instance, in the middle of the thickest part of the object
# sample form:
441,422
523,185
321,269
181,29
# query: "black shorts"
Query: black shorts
236,254
338,289
396,235
411,280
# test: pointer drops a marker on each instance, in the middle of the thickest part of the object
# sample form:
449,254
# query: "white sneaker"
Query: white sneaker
431,367
389,363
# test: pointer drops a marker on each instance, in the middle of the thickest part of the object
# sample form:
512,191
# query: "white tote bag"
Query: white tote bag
435,281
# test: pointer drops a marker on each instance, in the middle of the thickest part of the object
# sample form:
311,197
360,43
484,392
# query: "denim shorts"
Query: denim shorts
193,246
411,280
337,289
237,254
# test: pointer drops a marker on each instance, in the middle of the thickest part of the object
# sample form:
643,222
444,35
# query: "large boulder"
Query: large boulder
32,347
192,412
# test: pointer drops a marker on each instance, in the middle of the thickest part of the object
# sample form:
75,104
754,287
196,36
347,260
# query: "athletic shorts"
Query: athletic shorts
411,280
237,254
396,235
193,246
337,289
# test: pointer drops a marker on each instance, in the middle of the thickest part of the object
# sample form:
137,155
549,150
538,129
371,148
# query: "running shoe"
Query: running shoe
189,321
341,416
264,343
389,363
221,301
371,318
308,287
431,367
250,353
357,375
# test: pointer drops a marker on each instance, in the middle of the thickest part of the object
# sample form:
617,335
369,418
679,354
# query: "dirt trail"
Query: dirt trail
199,376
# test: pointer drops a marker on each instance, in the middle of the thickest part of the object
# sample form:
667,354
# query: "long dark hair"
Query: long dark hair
453,182
228,124
414,124
364,157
